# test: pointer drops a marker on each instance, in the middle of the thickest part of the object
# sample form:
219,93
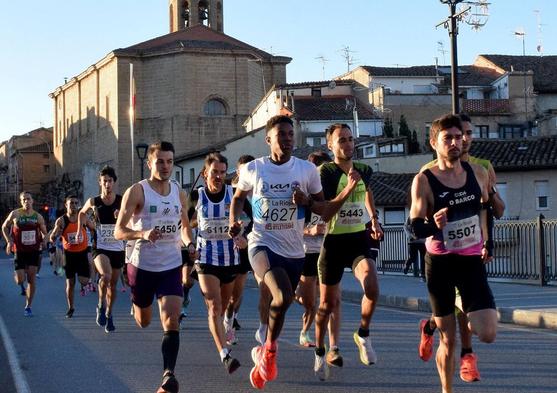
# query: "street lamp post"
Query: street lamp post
141,149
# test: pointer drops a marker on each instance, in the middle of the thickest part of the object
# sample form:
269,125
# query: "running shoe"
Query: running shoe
230,364
255,378
183,313
469,368
132,310
261,335
320,368
236,325
367,354
101,317
83,290
231,337
69,313
268,364
27,312
305,340
169,382
334,358
109,325
425,350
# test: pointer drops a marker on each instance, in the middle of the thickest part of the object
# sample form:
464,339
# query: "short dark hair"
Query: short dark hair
245,159
160,145
108,171
444,123
278,119
333,127
215,157
22,194
319,157
70,196
464,117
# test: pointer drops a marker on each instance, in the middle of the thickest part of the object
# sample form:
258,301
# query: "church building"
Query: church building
194,87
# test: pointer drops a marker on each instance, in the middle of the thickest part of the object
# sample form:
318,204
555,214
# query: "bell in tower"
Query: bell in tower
188,13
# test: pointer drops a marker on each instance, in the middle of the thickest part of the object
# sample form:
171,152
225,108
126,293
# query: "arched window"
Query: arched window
214,107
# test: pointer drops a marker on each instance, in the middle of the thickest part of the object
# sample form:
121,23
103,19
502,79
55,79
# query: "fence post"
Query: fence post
541,250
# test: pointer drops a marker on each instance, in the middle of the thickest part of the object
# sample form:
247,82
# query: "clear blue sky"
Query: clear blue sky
44,41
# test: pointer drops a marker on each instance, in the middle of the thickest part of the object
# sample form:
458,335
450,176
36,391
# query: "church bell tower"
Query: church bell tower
188,13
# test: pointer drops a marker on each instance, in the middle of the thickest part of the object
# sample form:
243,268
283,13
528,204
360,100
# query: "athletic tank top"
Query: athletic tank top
162,212
26,232
312,244
69,236
213,242
462,235
105,219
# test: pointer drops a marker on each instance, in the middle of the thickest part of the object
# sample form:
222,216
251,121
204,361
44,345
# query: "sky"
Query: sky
42,42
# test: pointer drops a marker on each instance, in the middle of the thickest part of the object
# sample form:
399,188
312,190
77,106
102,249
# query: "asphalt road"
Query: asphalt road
74,355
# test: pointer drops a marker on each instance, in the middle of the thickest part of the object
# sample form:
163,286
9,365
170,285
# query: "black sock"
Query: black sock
320,351
363,332
170,346
465,351
428,329
186,291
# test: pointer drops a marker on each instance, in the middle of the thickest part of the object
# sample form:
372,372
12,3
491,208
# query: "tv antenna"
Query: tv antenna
346,53
323,60
539,47
477,14
441,49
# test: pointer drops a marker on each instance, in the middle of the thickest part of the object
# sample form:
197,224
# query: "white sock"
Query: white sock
227,323
223,352
263,331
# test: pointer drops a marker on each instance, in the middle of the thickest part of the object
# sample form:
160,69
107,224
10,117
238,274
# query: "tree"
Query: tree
388,128
403,129
414,146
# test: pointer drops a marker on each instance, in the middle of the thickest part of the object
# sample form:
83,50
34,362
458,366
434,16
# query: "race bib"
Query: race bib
214,229
351,213
105,233
168,230
277,214
72,238
462,234
28,238
315,220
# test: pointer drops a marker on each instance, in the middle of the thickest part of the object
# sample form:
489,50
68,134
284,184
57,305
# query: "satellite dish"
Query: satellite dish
332,85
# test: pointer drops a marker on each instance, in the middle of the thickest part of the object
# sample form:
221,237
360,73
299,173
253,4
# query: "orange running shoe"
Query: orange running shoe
268,365
425,350
255,378
469,368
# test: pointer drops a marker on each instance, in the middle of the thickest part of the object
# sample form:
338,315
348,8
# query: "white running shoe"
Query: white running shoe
367,354
320,368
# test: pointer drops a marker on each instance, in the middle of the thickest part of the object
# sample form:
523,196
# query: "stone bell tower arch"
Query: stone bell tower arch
188,13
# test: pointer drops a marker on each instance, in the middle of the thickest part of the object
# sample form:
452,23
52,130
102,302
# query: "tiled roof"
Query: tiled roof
330,108
337,82
544,68
41,148
427,70
195,37
518,154
391,189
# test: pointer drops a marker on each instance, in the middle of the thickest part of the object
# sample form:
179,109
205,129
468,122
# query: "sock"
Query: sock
234,315
263,330
227,322
271,346
363,332
100,305
465,351
333,348
223,353
320,351
170,346
428,329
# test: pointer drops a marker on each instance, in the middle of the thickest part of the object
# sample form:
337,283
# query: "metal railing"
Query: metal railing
524,251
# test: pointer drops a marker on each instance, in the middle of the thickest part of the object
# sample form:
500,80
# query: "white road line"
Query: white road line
20,381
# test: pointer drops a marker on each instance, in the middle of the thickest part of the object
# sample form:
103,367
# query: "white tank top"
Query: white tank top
162,212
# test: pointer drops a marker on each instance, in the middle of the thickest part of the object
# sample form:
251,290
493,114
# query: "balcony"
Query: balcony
486,107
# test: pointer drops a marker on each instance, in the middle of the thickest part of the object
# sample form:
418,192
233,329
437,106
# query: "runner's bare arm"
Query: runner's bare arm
327,209
132,202
236,207
421,208
6,228
377,232
56,230
186,235
482,177
495,200
42,228
82,215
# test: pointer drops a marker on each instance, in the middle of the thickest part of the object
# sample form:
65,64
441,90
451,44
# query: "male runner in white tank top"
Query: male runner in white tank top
155,207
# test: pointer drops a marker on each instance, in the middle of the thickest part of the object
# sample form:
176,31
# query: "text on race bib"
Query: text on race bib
214,228
351,213
72,238
461,234
168,230
315,220
28,238
105,233
277,213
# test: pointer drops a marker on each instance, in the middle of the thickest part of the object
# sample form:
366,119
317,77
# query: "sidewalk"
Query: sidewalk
519,304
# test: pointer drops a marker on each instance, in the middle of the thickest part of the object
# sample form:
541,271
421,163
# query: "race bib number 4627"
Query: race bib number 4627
276,213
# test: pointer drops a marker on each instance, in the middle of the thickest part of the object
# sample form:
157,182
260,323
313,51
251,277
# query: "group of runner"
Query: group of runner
297,225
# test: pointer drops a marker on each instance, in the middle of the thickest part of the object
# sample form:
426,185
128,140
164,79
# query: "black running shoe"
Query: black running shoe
169,382
230,364
109,325
101,317
69,314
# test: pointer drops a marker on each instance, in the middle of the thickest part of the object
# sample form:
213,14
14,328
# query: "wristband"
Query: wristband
190,244
421,229
488,245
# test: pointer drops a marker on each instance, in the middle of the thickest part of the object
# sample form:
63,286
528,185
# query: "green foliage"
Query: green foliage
388,130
